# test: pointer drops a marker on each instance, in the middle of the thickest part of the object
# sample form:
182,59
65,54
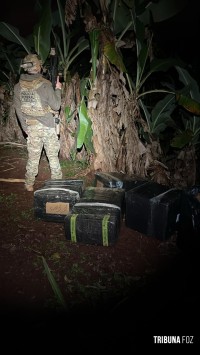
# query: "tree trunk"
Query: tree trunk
69,120
10,129
114,114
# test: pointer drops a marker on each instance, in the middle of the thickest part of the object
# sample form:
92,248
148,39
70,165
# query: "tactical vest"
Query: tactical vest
31,104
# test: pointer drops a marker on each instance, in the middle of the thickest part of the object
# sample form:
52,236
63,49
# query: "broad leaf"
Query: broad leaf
83,125
189,104
159,65
68,114
12,34
161,113
188,81
81,45
42,31
62,23
113,56
182,139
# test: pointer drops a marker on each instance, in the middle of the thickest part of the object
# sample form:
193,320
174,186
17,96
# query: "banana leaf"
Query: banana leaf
161,114
159,65
81,45
113,56
83,125
11,33
189,82
68,114
88,138
42,31
182,139
62,23
189,104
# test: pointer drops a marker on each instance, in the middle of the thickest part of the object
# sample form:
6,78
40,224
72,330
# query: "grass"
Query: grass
8,200
72,168
56,289
27,215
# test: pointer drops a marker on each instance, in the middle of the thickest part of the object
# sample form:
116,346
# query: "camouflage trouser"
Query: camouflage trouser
39,137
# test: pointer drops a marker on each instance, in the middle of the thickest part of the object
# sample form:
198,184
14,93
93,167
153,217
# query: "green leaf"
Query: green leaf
42,31
162,64
88,138
62,23
188,81
141,62
120,14
12,34
54,285
182,139
159,65
161,113
68,114
81,45
189,104
113,56
83,125
142,49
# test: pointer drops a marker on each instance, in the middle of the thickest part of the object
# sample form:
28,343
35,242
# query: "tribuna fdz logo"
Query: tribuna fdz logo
172,339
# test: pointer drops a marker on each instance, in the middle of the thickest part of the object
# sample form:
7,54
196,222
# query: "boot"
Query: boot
29,187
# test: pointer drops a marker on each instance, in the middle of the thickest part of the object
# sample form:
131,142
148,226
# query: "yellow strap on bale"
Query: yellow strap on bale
73,227
105,222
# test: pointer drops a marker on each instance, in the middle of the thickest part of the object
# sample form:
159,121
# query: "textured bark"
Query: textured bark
114,114
68,129
10,129
185,167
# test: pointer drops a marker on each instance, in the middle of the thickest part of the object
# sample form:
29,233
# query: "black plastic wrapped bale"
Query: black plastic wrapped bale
105,195
68,182
97,208
118,180
188,236
53,203
153,210
92,228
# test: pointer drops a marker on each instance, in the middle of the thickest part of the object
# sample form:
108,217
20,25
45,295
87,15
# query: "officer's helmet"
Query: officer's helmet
32,64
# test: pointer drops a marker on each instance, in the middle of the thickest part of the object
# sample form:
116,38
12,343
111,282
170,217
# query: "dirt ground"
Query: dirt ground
111,298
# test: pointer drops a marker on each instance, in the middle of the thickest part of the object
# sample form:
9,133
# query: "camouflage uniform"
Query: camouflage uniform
40,136
39,125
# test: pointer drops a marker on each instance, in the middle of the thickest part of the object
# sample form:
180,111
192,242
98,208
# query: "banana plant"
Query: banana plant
12,34
160,116
42,30
84,135
40,39
191,132
133,12
67,52
94,41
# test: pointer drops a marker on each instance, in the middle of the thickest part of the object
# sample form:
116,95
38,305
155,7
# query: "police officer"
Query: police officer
36,103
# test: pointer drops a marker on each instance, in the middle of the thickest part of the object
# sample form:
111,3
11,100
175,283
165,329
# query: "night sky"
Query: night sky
20,14
180,33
